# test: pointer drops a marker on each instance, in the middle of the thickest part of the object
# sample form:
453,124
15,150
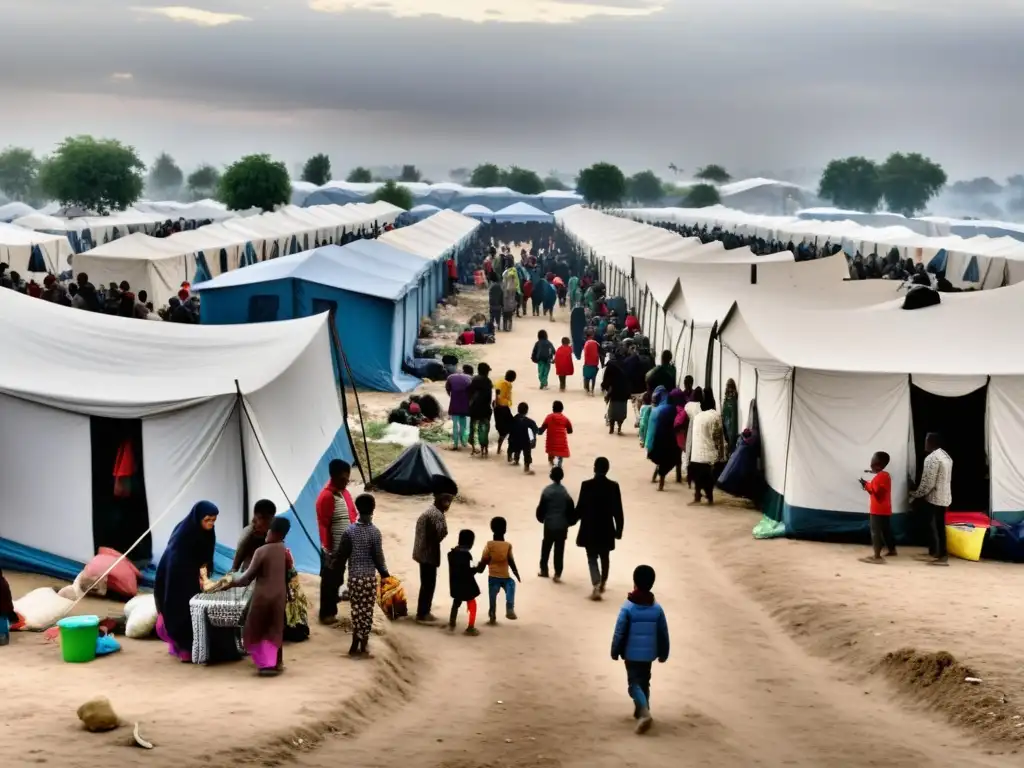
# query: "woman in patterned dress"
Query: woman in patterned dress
363,552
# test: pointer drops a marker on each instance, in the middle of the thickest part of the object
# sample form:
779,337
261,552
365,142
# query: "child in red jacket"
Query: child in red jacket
563,362
879,488
558,428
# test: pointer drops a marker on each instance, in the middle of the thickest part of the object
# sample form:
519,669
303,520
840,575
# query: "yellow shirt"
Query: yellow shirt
498,553
504,393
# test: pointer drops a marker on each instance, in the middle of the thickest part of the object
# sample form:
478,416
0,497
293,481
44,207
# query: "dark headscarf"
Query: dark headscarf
177,576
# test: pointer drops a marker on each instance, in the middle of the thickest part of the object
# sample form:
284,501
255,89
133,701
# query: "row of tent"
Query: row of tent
377,291
229,411
837,369
160,265
969,262
925,225
517,213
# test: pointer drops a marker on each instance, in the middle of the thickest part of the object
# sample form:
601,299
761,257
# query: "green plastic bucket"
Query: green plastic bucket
78,636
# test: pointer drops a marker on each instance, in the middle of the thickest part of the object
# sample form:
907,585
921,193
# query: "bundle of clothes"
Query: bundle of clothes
416,411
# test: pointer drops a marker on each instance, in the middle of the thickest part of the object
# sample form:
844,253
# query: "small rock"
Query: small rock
97,715
501,702
508,741
973,680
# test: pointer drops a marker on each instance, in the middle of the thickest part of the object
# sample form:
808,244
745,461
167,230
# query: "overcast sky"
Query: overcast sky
754,84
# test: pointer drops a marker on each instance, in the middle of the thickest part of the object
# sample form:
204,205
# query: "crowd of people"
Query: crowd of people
891,266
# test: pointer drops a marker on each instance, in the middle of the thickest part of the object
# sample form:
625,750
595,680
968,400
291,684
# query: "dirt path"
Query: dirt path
737,690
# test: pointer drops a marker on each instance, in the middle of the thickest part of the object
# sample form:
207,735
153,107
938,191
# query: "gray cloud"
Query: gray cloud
778,86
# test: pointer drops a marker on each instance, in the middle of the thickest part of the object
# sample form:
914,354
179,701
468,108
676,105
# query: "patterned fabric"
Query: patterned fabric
936,478
431,529
362,595
217,611
391,598
362,541
340,521
296,609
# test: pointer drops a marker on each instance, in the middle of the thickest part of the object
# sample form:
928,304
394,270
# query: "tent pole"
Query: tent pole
241,447
341,360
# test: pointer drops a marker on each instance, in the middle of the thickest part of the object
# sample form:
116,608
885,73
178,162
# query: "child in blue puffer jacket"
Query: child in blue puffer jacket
641,636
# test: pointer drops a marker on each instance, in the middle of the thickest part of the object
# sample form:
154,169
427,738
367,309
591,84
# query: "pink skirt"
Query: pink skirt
263,653
161,632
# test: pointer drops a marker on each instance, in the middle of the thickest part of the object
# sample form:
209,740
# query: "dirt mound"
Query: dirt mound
941,682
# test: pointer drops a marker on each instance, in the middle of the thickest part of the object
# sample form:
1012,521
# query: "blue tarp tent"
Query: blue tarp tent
378,294
521,212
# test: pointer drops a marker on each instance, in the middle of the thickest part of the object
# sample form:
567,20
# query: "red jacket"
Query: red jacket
563,361
325,513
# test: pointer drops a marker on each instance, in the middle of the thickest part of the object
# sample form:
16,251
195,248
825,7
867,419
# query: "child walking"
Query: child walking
644,418
563,362
503,406
557,512
462,580
558,428
640,637
591,362
543,354
879,488
497,555
457,386
522,438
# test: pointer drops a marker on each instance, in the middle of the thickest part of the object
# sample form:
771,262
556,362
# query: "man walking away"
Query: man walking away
935,489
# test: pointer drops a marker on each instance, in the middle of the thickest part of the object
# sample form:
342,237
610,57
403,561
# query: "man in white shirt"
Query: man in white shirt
935,491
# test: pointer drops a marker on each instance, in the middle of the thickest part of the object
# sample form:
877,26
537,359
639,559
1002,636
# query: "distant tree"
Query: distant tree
702,196
19,171
1016,181
909,181
459,175
359,175
990,210
317,170
983,185
410,173
852,182
394,193
713,173
522,180
165,175
645,187
555,183
203,182
97,174
602,184
255,181
485,175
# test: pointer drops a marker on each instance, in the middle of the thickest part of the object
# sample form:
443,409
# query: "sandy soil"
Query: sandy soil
780,650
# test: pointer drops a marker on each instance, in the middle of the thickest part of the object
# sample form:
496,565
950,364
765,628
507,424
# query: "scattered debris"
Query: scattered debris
974,680
97,715
139,740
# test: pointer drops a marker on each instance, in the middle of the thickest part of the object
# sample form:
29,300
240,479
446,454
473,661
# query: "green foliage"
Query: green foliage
555,183
317,170
203,182
463,354
602,184
359,175
394,193
910,181
852,182
255,181
702,196
486,175
714,173
522,180
165,175
645,187
410,173
19,170
96,174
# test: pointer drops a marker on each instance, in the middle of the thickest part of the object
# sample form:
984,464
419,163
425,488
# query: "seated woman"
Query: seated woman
184,571
263,634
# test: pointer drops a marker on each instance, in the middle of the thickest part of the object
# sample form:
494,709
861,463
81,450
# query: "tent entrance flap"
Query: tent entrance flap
960,422
120,511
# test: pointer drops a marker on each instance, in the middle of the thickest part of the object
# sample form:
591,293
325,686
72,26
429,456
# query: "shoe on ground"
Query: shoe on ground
596,595
472,631
492,619
557,579
644,721
511,616
602,587
329,621
543,574
428,619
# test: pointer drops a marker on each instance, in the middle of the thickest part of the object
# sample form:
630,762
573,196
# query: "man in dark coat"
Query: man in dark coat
496,301
599,510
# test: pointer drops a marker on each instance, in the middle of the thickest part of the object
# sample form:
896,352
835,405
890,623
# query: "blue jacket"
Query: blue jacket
641,631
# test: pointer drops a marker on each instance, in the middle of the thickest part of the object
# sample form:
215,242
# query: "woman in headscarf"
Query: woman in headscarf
707,449
730,416
575,295
664,450
550,296
681,427
184,571
263,634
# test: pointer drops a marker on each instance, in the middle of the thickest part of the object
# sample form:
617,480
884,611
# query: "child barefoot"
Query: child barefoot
522,438
563,362
558,427
641,636
879,488
497,555
462,580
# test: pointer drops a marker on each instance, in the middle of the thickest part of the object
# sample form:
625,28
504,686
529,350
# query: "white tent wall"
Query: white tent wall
838,422
774,405
1006,446
16,251
32,514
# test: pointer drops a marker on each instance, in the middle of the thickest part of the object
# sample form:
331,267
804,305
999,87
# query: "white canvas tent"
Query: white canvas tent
215,408
834,386
23,251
